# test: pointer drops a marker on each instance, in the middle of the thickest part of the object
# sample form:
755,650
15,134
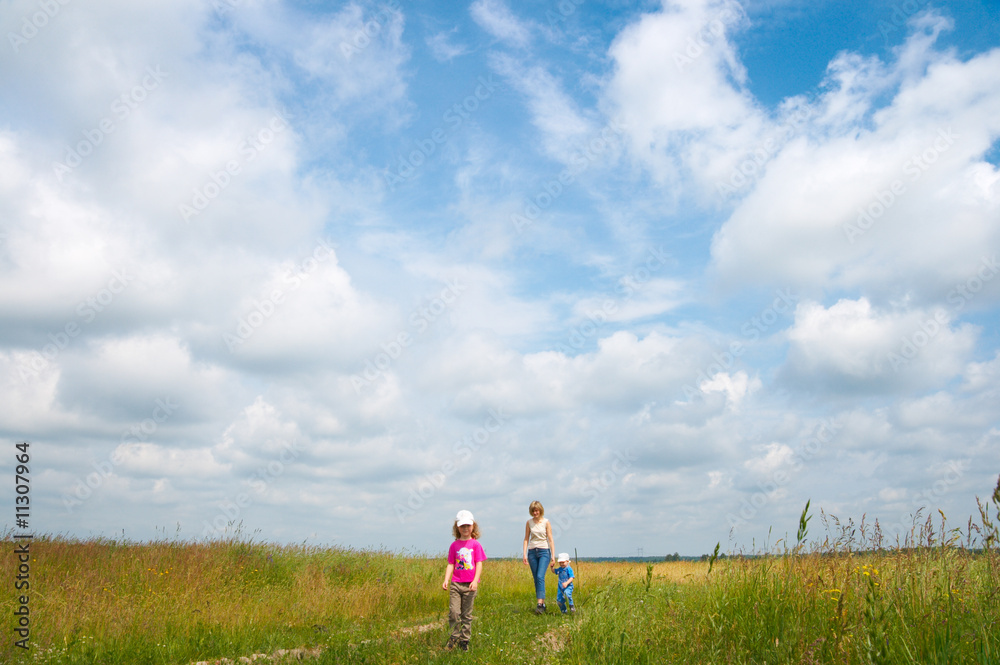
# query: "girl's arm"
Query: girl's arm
475,581
552,544
447,575
527,534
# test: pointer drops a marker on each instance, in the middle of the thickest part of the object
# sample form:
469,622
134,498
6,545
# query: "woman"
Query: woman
539,550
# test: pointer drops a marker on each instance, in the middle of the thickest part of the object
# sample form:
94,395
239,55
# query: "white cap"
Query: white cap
562,557
464,517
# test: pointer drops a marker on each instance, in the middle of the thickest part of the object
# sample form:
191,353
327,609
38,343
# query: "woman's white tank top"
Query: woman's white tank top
538,537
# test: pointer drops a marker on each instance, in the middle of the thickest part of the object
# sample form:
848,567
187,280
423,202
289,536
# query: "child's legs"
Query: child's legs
468,600
454,608
561,597
568,595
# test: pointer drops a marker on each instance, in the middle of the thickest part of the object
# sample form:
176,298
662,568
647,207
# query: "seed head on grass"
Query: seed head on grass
803,526
711,559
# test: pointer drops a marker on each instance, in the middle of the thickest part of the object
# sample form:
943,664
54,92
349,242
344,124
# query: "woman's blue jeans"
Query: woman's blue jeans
538,561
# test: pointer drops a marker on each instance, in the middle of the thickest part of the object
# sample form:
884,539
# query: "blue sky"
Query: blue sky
333,271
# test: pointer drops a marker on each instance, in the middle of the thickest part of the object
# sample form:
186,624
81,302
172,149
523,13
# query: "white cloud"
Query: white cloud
653,297
554,112
983,376
496,18
858,200
892,494
735,387
853,346
152,460
130,373
442,47
619,374
774,456
359,52
678,89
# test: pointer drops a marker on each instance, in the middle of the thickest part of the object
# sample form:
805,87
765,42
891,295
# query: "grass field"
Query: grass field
848,600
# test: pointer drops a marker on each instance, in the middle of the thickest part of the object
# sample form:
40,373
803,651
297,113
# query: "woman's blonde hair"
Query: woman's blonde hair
536,504
475,530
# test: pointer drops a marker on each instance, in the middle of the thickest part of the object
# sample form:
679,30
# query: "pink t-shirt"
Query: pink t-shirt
465,554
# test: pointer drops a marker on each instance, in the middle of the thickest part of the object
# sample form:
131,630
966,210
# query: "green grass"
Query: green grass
930,600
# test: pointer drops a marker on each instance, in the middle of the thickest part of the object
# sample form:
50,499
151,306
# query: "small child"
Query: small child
564,588
465,565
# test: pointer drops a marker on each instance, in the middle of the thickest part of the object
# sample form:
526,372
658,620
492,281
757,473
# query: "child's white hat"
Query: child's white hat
464,517
562,557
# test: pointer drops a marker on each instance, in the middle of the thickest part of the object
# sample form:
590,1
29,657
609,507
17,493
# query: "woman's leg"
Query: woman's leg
538,569
544,556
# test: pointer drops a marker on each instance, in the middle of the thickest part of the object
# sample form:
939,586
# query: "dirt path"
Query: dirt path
301,653
556,638
304,653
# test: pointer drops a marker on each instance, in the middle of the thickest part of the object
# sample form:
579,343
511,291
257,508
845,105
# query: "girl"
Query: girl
465,566
539,549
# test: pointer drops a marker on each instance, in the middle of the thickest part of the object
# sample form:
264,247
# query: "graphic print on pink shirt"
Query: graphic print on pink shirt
463,559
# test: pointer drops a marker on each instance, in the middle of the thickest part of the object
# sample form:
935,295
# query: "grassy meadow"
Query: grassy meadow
848,600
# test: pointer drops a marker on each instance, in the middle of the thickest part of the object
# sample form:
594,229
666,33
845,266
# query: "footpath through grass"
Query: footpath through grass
849,601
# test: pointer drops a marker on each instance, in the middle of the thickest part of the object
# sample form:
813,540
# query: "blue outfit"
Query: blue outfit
564,596
538,561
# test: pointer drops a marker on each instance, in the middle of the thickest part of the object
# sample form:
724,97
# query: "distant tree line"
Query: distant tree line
706,557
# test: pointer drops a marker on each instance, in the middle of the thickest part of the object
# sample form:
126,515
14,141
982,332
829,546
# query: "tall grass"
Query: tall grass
927,599
110,601
932,597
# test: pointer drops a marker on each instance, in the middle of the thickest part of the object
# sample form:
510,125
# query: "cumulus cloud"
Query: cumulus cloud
678,89
859,200
207,291
735,387
853,346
